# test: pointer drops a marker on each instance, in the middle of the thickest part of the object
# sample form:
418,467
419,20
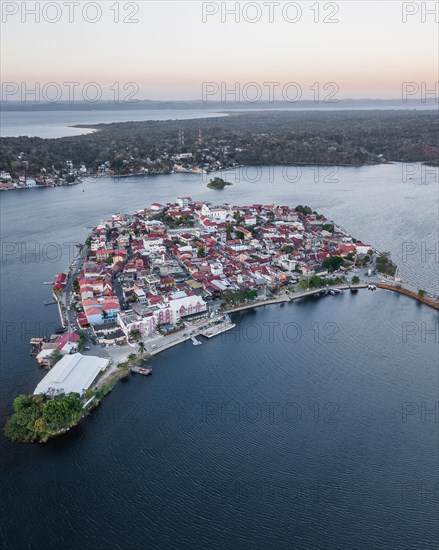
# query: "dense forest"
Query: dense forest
266,137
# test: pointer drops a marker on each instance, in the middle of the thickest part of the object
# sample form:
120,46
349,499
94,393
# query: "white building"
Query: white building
250,219
216,268
362,248
184,306
153,245
182,156
184,202
217,214
5,176
72,374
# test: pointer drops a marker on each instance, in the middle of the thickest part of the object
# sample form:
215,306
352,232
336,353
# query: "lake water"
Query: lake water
306,427
56,124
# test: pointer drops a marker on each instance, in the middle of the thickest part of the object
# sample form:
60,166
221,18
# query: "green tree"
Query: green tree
384,265
303,209
328,227
355,279
421,292
38,417
228,232
238,217
22,402
82,341
333,263
55,356
251,294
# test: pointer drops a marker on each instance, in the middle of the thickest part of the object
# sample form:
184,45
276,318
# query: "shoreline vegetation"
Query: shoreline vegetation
283,138
217,183
38,418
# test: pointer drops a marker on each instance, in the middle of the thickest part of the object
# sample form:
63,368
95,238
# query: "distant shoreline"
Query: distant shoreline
214,104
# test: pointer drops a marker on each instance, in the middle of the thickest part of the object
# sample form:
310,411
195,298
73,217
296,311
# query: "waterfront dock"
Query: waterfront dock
280,300
394,288
325,291
195,341
36,345
217,329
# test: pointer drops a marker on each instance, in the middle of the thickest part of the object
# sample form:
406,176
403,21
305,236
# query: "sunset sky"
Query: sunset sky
171,51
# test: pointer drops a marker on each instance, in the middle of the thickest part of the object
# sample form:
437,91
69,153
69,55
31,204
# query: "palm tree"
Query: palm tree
141,348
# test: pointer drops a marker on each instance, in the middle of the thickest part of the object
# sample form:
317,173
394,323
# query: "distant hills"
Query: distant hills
148,104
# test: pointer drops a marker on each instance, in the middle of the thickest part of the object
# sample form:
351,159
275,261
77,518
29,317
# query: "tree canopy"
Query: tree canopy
39,417
333,263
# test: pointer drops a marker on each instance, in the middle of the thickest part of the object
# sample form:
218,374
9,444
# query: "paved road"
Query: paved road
66,299
158,343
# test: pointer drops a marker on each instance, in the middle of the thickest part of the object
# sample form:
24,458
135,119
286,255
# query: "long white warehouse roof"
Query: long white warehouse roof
73,373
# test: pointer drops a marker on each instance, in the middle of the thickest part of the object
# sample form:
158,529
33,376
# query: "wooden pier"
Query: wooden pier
36,345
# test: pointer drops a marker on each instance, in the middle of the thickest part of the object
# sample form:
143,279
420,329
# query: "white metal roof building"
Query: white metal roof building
72,374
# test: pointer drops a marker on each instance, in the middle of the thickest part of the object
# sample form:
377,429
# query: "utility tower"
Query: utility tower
181,137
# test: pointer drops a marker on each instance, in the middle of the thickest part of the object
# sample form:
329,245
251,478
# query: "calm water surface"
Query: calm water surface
287,432
56,124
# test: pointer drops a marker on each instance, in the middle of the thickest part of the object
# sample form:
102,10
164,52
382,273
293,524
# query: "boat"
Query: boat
334,291
141,370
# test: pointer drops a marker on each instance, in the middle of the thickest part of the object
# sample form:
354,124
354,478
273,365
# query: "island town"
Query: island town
177,272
